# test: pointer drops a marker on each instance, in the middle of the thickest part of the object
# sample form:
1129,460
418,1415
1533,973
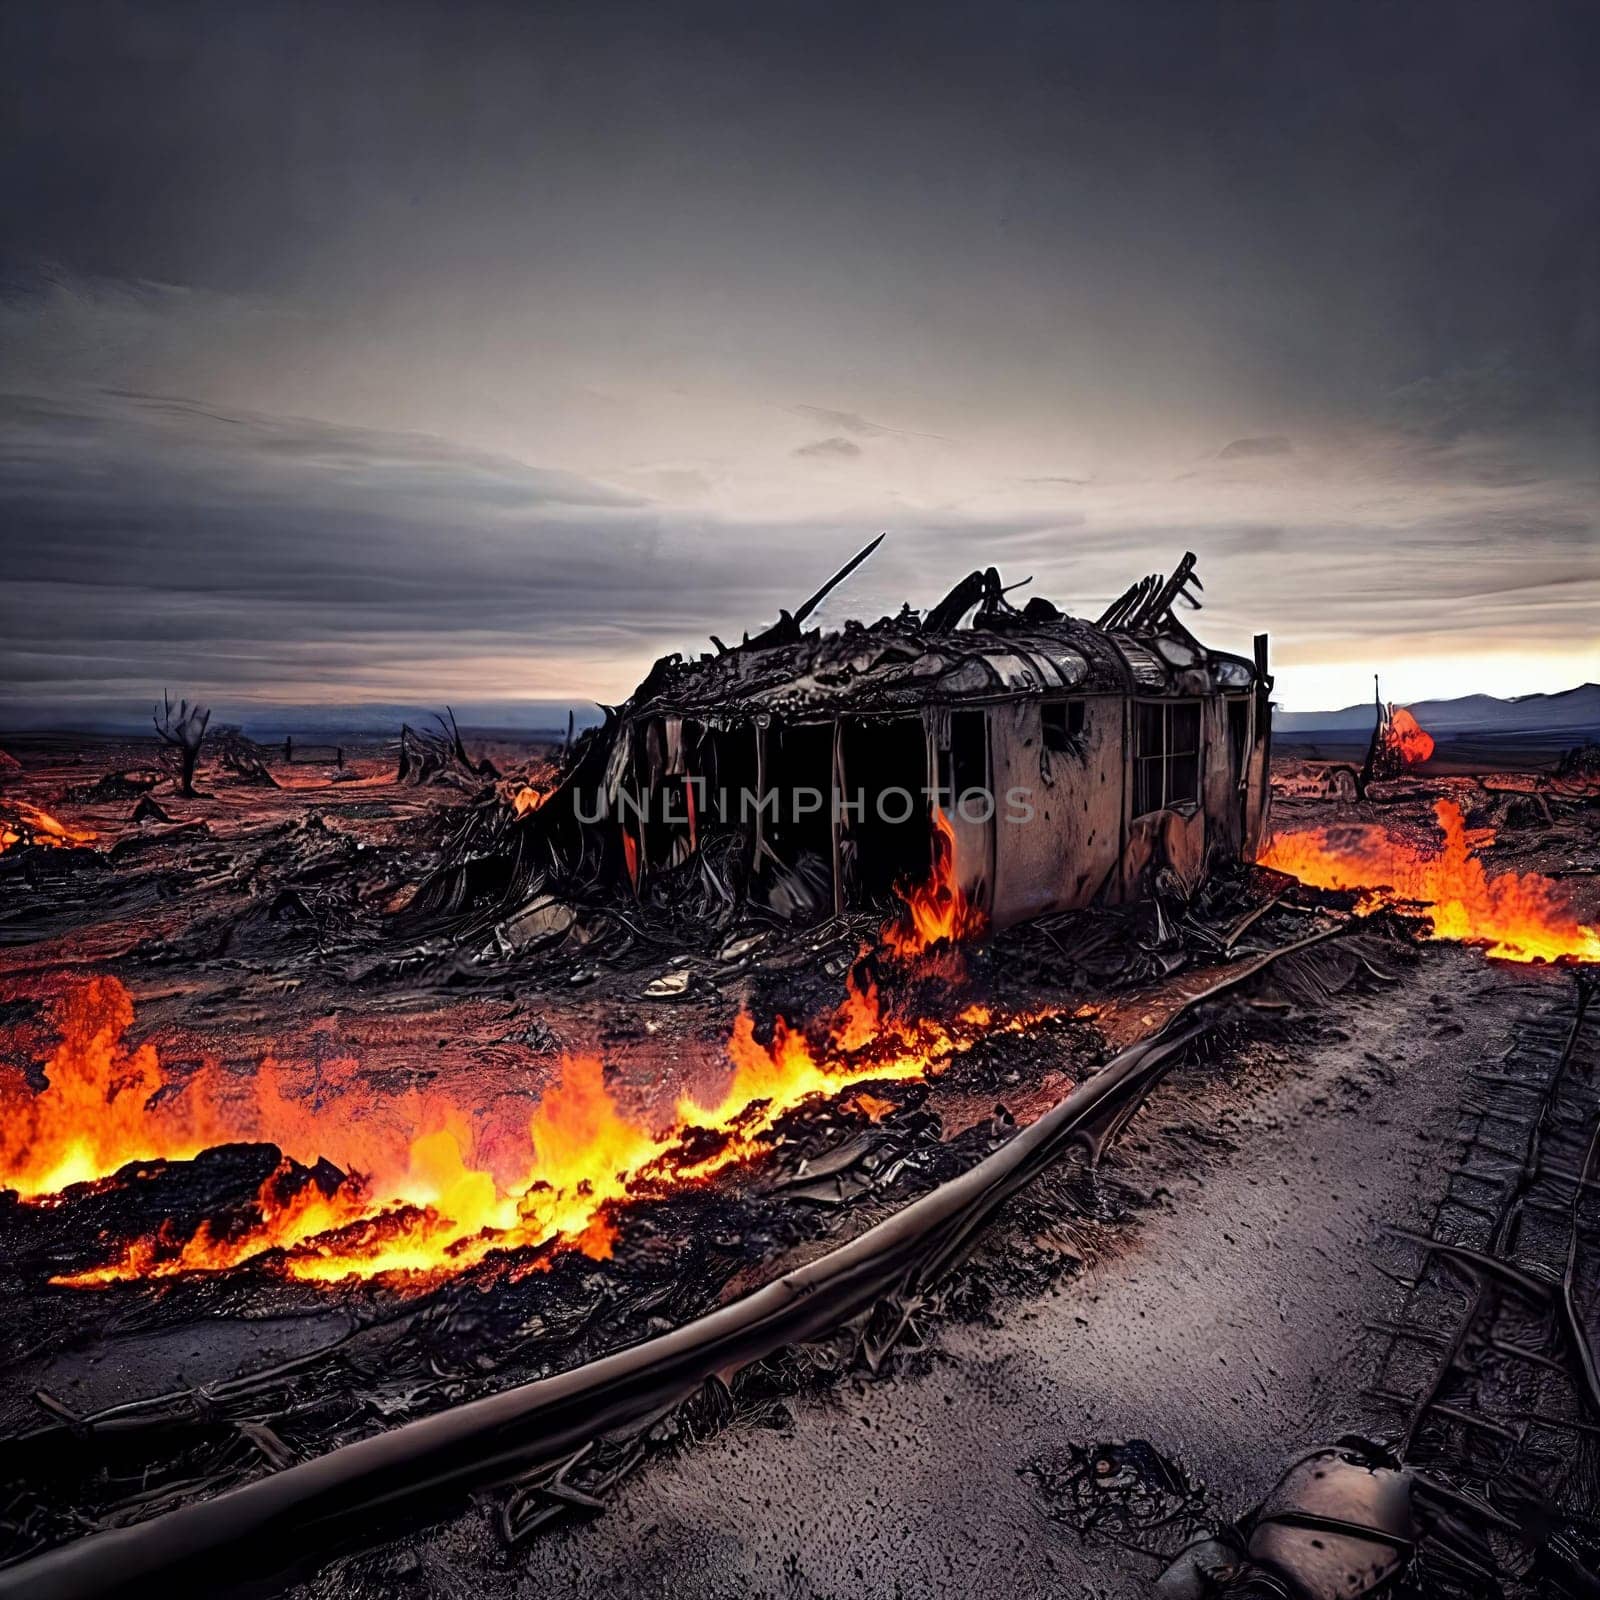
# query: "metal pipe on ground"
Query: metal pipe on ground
255,1539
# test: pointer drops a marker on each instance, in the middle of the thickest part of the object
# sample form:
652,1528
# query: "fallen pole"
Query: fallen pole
254,1539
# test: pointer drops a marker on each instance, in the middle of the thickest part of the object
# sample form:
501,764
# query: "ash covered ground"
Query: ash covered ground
1128,1357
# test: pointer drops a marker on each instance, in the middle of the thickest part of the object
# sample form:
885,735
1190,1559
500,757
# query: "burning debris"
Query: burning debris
1398,743
1404,742
526,799
1030,760
1514,916
23,824
419,1206
567,1051
939,910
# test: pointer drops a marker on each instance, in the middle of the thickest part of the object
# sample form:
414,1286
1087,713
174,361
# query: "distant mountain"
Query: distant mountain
1574,711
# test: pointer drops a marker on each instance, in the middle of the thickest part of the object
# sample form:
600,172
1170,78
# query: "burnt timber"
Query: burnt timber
249,1539
1140,751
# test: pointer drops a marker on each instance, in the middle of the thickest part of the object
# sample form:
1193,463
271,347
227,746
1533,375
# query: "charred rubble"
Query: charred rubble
808,774
566,1340
438,755
507,884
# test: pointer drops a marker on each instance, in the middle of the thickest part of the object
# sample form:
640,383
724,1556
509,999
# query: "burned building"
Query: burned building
1051,762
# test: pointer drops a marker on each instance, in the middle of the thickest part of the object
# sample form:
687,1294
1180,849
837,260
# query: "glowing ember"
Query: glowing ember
871,1106
938,909
1515,916
526,800
21,823
1407,740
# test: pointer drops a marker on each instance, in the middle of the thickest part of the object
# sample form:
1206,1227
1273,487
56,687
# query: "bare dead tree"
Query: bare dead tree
184,731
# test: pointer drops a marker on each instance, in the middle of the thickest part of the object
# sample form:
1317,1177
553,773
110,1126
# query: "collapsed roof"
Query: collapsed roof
1136,647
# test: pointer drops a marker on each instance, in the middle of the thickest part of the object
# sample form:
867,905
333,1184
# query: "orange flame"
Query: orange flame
285,1214
97,1112
938,909
1407,739
856,1022
420,1208
29,825
416,1204
1515,916
527,799
107,1104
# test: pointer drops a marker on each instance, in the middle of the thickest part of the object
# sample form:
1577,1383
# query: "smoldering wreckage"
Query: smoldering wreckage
1125,746
537,1338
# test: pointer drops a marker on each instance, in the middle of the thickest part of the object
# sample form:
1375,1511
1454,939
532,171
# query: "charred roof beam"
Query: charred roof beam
786,630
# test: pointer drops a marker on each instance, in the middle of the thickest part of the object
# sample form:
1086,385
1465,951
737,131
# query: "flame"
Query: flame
1407,740
99,1110
527,799
413,1202
107,1104
938,909
290,1207
1515,916
422,1207
29,825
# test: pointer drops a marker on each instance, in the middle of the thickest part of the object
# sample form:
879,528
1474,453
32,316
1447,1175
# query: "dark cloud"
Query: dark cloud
835,449
542,264
151,539
1500,394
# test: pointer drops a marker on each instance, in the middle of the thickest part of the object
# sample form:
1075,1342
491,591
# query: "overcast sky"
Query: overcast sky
404,353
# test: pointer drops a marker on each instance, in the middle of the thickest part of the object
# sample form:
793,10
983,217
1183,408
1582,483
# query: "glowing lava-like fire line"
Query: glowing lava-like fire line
1514,916
414,1203
21,823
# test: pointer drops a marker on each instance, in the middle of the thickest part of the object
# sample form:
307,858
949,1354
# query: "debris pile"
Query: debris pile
426,756
817,774
242,759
